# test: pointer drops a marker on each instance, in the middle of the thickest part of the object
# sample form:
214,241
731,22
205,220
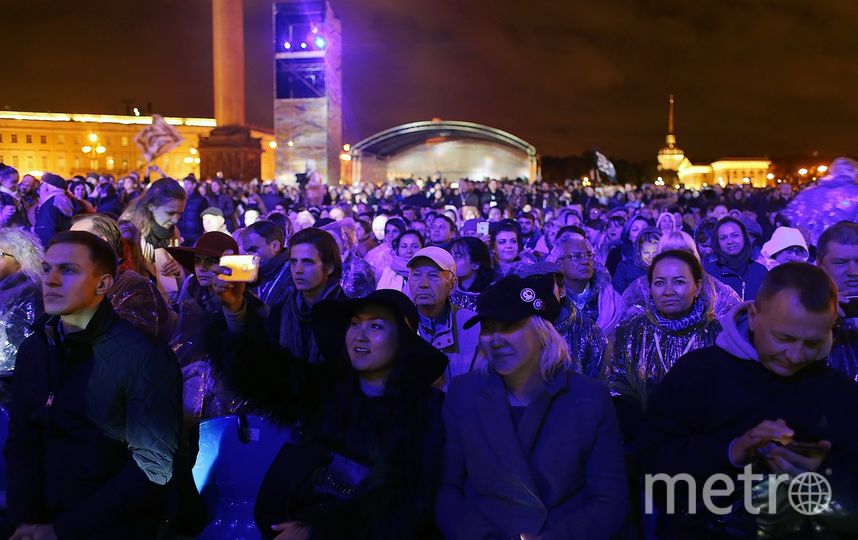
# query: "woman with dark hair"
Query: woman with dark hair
732,261
678,318
367,461
646,245
506,245
13,212
474,271
703,237
155,214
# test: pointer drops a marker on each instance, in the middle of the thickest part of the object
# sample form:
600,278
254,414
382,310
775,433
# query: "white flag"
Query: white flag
604,164
157,138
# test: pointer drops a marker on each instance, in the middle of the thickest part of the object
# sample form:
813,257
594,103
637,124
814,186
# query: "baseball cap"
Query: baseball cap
514,298
440,257
212,211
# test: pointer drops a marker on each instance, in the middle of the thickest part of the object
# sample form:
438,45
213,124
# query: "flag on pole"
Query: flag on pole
158,138
604,165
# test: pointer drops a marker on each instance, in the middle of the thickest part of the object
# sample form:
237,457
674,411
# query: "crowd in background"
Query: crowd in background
488,359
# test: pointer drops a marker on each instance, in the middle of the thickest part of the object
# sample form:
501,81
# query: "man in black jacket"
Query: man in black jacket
95,411
760,402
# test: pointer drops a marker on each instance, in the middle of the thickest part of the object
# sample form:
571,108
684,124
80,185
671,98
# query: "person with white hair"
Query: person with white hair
21,257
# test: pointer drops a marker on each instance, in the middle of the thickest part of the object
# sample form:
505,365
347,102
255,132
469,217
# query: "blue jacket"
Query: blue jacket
745,284
559,474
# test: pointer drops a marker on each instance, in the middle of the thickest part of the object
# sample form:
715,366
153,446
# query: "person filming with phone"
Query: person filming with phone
837,254
762,396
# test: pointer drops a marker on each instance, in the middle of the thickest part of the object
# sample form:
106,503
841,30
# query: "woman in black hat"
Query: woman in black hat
367,460
533,450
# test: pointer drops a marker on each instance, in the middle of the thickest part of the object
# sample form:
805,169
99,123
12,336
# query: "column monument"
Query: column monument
229,149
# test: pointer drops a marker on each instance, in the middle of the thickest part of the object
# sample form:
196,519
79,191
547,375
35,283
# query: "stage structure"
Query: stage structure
453,149
307,90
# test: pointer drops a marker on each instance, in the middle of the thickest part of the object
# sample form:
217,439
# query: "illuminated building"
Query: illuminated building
671,157
34,142
307,89
452,148
740,170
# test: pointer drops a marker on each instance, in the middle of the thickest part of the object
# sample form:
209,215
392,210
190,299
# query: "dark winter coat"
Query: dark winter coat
713,395
398,437
94,426
52,217
191,223
745,283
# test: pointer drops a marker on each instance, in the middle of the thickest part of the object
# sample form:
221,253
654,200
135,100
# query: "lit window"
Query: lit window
31,163
15,161
29,139
44,139
14,137
61,161
110,163
123,141
61,139
45,163
1,140
76,163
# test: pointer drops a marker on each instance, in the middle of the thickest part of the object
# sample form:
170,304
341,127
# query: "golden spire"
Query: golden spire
671,137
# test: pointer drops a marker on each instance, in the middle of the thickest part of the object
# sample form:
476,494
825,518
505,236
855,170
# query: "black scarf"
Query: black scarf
159,236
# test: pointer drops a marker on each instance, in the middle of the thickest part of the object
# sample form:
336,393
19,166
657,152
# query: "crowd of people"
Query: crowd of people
455,359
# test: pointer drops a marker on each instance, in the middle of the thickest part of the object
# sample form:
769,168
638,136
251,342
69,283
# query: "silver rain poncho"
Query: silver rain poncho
645,350
20,305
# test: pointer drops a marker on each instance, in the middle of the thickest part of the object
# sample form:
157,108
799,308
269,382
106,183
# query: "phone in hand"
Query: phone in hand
850,308
806,448
483,228
245,268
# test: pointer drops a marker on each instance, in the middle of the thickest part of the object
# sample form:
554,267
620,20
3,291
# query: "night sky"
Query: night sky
752,77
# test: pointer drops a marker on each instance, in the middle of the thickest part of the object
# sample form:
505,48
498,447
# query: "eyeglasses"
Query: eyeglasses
577,257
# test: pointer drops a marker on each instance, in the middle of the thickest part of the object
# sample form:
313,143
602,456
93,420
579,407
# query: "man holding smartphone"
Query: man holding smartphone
762,397
837,254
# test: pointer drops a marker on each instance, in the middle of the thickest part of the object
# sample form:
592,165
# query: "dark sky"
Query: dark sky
752,77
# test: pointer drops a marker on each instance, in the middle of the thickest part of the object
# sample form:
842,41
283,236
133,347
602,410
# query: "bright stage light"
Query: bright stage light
287,45
320,42
303,44
315,30
822,168
802,171
272,144
770,176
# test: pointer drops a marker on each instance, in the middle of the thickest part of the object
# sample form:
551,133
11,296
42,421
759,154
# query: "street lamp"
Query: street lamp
94,149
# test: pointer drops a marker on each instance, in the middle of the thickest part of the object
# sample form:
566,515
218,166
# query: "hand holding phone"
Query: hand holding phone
483,228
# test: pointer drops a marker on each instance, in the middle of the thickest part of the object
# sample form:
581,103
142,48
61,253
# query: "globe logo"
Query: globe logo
809,493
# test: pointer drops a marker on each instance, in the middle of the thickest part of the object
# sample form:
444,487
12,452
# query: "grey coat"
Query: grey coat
560,474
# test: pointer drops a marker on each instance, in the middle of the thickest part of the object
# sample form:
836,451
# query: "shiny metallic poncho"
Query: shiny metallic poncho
817,207
20,305
644,352
585,340
716,293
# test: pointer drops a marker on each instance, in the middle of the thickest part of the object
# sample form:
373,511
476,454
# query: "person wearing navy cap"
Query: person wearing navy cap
533,449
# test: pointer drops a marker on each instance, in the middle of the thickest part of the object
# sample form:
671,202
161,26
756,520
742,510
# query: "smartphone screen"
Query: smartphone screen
245,268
